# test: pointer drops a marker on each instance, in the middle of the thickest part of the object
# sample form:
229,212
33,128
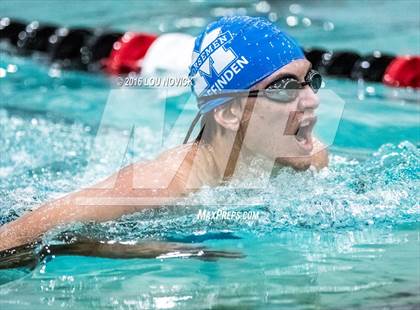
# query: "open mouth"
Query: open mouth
301,127
303,133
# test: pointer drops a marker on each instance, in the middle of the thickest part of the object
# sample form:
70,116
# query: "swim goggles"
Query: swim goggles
283,90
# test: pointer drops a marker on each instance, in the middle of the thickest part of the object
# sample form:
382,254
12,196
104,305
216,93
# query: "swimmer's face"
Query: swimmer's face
282,131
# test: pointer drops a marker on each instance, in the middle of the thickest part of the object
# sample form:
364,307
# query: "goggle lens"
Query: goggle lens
286,89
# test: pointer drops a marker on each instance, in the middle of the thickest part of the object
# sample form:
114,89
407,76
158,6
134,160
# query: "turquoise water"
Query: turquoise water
347,237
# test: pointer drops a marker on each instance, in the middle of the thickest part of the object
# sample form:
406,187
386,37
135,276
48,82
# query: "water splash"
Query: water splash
48,159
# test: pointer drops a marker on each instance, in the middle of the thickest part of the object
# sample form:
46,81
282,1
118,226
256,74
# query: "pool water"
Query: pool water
346,237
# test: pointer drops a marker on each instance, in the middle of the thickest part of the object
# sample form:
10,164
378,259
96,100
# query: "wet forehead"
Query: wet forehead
298,67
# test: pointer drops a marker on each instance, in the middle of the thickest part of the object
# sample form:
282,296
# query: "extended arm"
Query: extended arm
105,201
27,256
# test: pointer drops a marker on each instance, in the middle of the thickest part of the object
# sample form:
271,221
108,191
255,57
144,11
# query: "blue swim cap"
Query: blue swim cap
235,53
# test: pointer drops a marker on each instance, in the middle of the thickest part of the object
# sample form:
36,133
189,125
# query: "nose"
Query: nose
308,99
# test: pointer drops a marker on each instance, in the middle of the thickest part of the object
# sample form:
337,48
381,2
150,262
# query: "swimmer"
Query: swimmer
257,99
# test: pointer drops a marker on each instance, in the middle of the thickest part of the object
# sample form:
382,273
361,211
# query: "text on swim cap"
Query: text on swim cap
205,54
227,76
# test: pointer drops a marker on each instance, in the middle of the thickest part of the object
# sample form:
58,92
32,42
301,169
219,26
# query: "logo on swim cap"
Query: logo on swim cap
215,59
235,53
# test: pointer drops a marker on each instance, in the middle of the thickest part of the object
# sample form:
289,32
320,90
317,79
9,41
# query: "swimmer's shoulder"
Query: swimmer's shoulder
175,169
175,154
192,164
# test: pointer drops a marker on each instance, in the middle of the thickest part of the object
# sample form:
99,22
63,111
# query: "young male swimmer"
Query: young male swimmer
256,96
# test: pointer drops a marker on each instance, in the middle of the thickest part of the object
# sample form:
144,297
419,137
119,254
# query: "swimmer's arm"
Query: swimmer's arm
28,256
320,155
81,206
32,225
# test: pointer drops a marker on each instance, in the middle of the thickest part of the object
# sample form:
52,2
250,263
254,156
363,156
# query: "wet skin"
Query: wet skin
280,133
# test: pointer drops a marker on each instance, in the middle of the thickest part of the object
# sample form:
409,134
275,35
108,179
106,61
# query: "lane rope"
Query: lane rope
117,53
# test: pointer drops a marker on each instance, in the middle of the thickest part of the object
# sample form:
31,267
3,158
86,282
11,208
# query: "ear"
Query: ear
229,115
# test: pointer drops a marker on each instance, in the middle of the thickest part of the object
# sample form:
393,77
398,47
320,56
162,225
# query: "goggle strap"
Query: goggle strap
192,126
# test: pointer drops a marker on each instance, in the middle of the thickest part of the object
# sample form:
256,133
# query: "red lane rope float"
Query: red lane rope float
403,71
127,52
